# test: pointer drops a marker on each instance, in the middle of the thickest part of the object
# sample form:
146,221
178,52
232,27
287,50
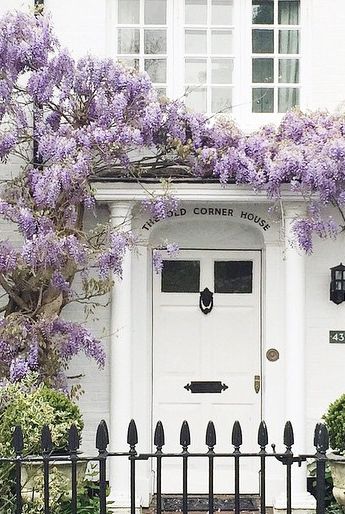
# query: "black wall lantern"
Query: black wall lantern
337,285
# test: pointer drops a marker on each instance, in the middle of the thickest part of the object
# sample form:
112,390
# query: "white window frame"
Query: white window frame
276,56
242,51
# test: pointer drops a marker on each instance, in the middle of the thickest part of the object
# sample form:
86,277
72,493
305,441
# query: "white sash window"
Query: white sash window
275,55
228,56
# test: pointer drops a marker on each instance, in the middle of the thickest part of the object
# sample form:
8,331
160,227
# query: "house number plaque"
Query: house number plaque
337,336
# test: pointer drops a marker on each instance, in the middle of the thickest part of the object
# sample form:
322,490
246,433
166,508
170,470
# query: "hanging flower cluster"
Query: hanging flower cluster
69,121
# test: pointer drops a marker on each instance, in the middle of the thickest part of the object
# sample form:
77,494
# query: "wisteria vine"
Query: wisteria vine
65,122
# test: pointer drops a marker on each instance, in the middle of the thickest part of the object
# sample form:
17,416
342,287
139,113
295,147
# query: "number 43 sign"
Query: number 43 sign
337,336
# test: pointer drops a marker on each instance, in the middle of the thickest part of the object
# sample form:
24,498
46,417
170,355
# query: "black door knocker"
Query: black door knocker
206,301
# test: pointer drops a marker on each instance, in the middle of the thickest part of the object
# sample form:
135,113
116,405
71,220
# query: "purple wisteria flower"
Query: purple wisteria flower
96,116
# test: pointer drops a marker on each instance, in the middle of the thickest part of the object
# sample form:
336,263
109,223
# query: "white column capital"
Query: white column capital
121,214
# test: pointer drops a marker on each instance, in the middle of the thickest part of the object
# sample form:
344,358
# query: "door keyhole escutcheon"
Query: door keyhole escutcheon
206,301
257,383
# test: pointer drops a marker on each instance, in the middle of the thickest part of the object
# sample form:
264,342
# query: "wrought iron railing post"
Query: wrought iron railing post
262,441
73,446
211,440
236,439
159,441
185,442
102,441
47,446
18,445
288,442
321,443
132,440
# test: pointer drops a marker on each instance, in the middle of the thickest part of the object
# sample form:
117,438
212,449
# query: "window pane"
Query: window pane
289,70
222,12
233,277
262,70
128,41
288,12
157,69
155,41
181,277
196,99
195,71
263,11
196,12
221,99
221,42
288,97
262,100
222,71
130,63
155,12
288,41
263,41
128,11
195,42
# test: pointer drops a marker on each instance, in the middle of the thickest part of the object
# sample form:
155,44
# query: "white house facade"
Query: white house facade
269,334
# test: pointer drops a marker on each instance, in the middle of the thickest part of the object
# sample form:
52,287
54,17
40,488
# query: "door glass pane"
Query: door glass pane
262,99
289,70
288,41
180,277
155,12
221,42
128,11
263,41
233,277
195,42
263,12
128,41
222,71
221,99
157,69
195,72
288,12
222,12
196,99
262,70
155,41
288,97
196,12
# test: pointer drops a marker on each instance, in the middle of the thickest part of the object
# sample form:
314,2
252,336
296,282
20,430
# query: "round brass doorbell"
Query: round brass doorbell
272,354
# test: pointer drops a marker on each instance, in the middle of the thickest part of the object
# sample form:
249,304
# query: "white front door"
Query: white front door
190,346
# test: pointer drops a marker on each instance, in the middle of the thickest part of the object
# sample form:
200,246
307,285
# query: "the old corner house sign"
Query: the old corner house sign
214,211
194,353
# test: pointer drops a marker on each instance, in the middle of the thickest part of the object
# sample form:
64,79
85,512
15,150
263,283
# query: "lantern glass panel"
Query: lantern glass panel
338,275
338,285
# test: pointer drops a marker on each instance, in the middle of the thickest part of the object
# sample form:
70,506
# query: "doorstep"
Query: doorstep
203,497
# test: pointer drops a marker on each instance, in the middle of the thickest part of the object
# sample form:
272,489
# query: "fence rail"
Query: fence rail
286,458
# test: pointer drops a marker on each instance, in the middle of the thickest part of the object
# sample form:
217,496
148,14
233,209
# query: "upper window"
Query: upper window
142,37
275,55
209,55
205,51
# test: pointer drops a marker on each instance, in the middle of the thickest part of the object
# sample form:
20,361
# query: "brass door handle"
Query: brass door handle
257,383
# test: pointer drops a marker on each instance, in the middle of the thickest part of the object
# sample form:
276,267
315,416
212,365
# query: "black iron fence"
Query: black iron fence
287,458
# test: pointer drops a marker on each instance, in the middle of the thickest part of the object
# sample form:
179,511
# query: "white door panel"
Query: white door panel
223,345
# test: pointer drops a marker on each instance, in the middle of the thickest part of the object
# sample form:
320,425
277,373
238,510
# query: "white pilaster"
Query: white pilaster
295,392
120,367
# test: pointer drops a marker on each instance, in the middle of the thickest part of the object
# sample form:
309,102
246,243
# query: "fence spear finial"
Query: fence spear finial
102,436
159,437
